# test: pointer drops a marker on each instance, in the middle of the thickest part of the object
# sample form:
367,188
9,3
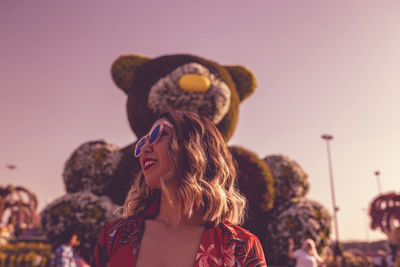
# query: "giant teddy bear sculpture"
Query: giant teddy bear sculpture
153,86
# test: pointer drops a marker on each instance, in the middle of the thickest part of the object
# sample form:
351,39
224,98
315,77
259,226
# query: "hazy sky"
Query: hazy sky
322,67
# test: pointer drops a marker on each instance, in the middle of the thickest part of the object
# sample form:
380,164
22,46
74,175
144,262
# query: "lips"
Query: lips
148,163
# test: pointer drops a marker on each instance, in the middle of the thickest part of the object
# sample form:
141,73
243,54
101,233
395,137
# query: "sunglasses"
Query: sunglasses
152,137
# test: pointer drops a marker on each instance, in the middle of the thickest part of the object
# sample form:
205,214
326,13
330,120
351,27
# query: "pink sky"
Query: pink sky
322,67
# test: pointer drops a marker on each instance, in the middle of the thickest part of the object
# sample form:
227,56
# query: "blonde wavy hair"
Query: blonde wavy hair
206,170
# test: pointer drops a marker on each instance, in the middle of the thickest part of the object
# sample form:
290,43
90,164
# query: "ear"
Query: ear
124,68
244,79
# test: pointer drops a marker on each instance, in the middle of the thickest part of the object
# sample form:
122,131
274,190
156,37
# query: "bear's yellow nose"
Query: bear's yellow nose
192,82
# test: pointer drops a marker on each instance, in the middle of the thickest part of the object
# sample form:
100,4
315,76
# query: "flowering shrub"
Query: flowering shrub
91,167
255,180
306,219
293,215
83,213
290,181
383,209
25,254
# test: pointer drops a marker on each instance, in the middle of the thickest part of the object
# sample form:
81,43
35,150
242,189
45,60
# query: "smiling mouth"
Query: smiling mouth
148,164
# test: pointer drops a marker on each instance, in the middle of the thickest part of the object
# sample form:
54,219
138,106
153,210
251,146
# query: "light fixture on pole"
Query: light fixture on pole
328,138
377,174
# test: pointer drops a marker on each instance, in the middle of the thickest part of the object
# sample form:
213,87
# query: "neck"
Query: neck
171,213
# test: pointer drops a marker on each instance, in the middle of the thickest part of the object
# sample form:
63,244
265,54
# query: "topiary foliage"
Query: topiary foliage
305,219
17,206
291,182
244,79
91,167
141,81
256,183
383,209
155,85
292,215
254,180
83,213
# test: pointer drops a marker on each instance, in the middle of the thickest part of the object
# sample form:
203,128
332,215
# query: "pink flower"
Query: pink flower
229,255
205,255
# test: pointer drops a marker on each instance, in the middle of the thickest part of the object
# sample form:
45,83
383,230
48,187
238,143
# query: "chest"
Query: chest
165,247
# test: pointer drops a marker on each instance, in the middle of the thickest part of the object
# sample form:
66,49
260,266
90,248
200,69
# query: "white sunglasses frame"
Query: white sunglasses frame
161,124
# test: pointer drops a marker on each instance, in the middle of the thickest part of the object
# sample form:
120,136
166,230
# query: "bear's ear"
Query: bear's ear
244,79
124,68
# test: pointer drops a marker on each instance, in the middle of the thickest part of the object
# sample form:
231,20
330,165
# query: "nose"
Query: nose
147,147
192,82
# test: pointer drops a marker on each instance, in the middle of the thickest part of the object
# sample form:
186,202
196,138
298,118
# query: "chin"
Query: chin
152,183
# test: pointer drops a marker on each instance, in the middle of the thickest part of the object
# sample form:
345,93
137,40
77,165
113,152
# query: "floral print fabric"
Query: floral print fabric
222,245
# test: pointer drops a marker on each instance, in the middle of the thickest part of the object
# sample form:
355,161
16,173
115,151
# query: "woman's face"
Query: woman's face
155,160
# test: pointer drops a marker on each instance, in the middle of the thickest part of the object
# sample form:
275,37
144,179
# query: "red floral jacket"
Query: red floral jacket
222,245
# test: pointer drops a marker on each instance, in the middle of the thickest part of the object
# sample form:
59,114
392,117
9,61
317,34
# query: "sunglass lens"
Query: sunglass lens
153,136
139,146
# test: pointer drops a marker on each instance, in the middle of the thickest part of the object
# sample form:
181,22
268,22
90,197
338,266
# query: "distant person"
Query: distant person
307,255
393,234
379,259
389,260
65,255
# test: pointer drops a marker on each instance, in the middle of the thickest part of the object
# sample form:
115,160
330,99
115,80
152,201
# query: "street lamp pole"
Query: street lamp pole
328,138
377,174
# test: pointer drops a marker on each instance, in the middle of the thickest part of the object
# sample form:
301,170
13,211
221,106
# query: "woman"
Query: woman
184,204
307,255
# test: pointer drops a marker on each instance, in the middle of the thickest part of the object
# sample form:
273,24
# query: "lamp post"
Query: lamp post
328,138
378,181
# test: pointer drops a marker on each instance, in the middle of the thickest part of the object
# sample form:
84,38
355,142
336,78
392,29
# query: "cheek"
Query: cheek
167,164
168,161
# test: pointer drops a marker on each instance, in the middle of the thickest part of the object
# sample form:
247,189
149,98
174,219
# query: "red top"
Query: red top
222,245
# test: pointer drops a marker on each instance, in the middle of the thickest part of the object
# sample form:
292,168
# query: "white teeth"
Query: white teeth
149,162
